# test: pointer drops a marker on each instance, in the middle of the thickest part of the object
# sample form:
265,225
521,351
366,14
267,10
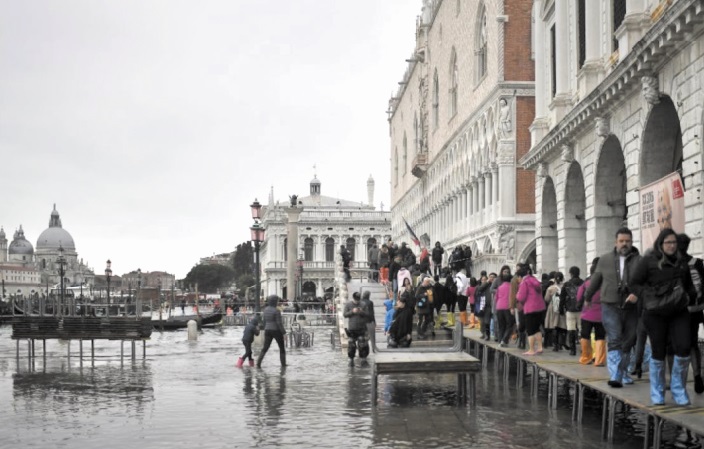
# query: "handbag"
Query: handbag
665,299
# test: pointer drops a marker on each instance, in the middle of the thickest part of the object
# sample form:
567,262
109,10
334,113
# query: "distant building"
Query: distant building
217,259
458,123
27,272
325,224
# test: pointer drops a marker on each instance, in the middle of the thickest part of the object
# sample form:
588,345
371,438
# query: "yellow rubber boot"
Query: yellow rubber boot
600,353
451,319
586,357
463,318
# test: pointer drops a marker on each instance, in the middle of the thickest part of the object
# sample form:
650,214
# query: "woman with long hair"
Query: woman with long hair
658,274
530,296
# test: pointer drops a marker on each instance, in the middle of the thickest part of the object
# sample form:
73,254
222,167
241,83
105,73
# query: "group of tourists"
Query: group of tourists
630,305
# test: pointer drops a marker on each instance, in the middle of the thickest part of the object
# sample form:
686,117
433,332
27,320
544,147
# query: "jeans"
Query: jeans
620,326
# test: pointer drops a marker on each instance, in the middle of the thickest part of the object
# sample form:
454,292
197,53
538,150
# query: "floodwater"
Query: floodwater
191,395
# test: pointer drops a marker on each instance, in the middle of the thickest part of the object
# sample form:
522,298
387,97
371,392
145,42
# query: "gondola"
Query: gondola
181,321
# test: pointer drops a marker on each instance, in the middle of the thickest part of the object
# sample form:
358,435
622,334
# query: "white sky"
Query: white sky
154,124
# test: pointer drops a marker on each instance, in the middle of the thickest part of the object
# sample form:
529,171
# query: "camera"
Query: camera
623,289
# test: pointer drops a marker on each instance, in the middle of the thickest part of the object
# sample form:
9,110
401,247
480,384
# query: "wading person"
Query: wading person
619,314
661,275
250,331
357,315
273,330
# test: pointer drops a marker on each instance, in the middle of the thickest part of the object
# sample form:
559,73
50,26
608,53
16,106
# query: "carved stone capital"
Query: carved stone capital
542,170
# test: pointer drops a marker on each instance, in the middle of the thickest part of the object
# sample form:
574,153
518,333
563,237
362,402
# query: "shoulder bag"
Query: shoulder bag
665,299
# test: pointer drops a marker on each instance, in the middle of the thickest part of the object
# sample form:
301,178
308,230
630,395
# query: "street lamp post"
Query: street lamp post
61,260
108,273
138,307
257,231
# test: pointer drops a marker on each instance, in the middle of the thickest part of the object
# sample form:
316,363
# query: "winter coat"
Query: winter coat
251,330
424,295
482,299
651,273
437,253
501,297
530,295
373,255
570,303
593,312
384,259
369,306
461,283
357,320
272,317
606,277
553,318
402,324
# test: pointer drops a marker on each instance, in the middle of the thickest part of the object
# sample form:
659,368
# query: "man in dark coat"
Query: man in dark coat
436,256
357,316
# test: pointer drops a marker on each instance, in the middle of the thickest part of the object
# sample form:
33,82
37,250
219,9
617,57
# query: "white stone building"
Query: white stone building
618,106
325,223
35,271
458,123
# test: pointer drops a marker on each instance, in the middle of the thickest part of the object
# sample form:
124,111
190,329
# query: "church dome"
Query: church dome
20,245
55,236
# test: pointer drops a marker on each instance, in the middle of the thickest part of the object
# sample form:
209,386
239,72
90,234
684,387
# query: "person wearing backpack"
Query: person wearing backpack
696,314
568,297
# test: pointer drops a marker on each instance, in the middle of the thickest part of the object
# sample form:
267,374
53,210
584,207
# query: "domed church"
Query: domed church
27,271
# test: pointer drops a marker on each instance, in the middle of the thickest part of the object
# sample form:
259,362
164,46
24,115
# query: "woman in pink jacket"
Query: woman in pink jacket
530,298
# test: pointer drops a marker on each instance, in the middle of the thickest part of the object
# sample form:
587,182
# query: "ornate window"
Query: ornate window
436,100
582,31
350,247
453,83
329,249
482,44
308,249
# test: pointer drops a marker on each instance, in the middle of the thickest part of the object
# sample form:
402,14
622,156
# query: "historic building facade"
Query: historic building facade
25,271
618,107
324,224
458,124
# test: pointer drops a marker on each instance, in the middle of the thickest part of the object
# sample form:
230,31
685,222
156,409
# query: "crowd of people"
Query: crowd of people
632,313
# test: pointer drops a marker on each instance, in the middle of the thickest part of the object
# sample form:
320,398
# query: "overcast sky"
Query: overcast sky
154,124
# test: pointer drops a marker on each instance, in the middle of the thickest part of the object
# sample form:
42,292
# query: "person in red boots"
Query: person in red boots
250,331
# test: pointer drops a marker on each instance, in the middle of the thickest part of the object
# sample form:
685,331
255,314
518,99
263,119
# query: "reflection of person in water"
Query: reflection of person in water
664,209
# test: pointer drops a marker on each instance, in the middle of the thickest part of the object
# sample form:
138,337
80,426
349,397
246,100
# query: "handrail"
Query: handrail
457,337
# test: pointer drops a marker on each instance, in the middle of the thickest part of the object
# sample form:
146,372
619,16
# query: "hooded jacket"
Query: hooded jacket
530,294
251,330
389,304
272,316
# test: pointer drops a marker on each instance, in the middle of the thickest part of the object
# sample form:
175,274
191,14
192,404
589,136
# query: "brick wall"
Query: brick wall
518,66
525,179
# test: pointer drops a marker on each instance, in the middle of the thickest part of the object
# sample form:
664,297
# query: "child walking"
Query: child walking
250,331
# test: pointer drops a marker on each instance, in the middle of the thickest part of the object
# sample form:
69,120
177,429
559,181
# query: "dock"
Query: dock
560,366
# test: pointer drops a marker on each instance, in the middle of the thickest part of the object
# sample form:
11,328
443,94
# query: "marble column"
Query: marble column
481,192
494,184
293,215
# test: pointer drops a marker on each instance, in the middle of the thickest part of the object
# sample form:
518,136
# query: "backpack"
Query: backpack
569,297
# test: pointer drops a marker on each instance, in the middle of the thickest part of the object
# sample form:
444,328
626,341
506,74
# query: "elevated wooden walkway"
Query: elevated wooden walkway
560,365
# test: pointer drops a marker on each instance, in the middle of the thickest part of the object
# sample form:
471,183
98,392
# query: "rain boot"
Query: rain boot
562,337
556,338
251,362
678,380
572,342
547,340
599,353
282,358
472,321
463,318
451,319
521,340
657,381
626,378
240,362
586,357
613,361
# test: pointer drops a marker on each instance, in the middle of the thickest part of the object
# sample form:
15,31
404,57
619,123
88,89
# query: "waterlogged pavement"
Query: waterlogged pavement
189,394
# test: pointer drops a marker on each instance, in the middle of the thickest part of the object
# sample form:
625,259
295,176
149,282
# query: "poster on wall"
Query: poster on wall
661,206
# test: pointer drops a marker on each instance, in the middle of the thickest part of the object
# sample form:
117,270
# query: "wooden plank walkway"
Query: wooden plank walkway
560,365
410,362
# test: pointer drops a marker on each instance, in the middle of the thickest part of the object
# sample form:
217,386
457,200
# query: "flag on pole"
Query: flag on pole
414,237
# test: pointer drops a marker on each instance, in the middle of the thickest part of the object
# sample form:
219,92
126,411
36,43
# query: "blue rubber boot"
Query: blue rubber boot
623,367
678,380
613,362
657,381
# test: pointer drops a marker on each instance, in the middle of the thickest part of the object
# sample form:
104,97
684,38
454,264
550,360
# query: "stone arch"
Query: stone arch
308,289
575,224
488,246
661,145
548,228
610,209
529,255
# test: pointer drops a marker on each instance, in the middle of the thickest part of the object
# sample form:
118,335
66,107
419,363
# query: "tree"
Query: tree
243,282
209,277
243,260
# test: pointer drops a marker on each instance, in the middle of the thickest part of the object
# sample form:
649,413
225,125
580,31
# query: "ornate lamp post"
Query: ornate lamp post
61,260
257,231
108,273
